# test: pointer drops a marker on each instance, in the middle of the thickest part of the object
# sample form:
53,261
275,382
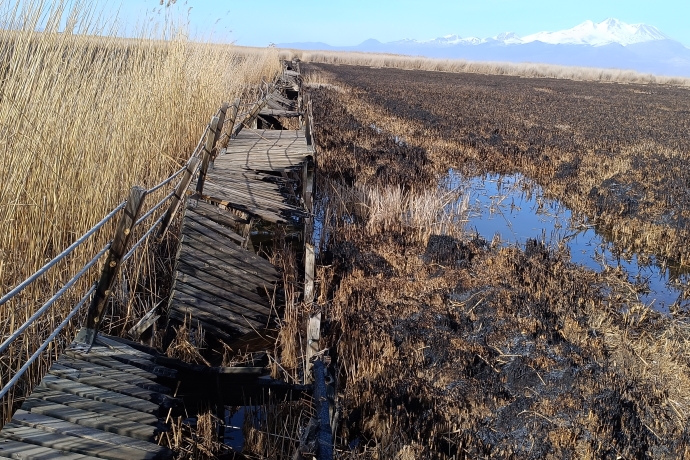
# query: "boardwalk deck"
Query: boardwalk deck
225,288
104,403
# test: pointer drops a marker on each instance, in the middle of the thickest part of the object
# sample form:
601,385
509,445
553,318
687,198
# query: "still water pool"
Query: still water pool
511,209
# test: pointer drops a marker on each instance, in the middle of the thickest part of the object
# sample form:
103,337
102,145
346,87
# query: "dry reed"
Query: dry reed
84,115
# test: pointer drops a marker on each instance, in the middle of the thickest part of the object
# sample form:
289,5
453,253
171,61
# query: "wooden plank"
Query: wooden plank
57,425
251,210
103,408
91,368
26,451
206,154
208,304
224,293
117,250
192,286
90,419
79,445
112,363
98,394
213,277
144,323
260,266
221,230
200,252
108,384
309,273
215,214
177,198
227,332
266,190
246,199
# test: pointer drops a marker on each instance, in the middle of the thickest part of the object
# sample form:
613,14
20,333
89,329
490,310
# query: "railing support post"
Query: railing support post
117,250
178,196
309,262
234,110
206,156
221,123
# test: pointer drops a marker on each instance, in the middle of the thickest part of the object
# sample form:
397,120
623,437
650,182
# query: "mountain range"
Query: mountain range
607,44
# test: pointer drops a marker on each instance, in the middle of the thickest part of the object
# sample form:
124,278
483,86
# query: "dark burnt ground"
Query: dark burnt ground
446,348
617,153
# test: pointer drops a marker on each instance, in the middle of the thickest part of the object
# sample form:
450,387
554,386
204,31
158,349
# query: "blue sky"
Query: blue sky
258,23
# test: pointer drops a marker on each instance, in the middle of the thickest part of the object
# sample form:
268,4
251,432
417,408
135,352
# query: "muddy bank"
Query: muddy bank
447,347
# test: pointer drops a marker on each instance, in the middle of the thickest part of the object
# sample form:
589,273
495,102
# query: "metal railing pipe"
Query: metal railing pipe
43,346
56,296
20,287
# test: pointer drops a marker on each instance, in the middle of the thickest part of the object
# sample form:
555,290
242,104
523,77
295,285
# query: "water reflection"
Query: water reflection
511,209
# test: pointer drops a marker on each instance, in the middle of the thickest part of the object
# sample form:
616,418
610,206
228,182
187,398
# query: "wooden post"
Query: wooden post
206,155
234,110
221,123
309,257
307,118
250,116
313,345
118,248
178,196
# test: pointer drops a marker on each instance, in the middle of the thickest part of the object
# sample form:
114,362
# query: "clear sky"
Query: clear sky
259,23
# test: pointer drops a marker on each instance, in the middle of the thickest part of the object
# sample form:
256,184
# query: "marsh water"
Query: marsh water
512,209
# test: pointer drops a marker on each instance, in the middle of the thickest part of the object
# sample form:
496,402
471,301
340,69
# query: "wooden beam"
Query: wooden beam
118,248
219,130
177,198
206,155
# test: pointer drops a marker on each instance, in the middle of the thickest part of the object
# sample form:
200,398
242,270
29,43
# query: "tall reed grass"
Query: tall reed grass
531,70
84,115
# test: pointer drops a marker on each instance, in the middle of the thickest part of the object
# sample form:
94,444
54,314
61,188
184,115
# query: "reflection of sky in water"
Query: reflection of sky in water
515,208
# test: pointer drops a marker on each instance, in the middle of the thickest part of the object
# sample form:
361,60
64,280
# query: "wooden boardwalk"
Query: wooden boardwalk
102,404
111,401
225,288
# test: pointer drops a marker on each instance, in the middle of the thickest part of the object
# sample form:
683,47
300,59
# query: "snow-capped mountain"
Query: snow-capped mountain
604,33
610,43
588,33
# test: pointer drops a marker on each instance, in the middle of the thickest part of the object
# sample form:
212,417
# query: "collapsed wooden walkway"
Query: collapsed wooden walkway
111,400
223,287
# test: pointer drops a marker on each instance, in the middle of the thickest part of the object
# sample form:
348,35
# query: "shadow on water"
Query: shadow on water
512,209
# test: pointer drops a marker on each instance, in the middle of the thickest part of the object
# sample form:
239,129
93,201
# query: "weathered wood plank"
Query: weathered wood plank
108,384
90,419
181,312
98,394
26,451
208,304
236,256
120,376
215,214
241,269
77,444
223,292
90,405
112,363
214,227
193,287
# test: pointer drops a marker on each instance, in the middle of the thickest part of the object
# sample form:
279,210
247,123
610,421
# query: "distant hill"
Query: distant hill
608,44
